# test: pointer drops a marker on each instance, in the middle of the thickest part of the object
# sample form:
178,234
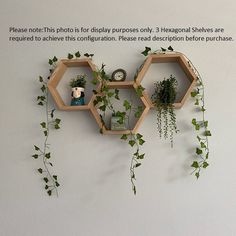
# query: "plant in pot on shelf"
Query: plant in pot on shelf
78,85
163,99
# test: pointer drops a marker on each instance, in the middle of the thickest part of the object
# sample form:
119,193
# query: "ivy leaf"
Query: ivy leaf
43,88
134,190
207,133
54,59
205,164
203,145
52,113
139,90
198,151
194,93
163,49
54,177
36,148
40,79
46,186
35,156
138,135
50,164
207,155
127,105
58,121
170,48
45,179
141,156
117,94
124,137
43,124
50,62
102,108
206,124
48,155
77,54
56,126
196,102
137,165
195,165
57,184
110,94
141,141
199,139
94,81
131,143
70,56
40,170
49,192
197,174
40,104
146,51
45,132
203,109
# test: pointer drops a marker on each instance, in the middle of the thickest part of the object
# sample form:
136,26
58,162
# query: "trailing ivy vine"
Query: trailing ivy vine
200,125
104,102
43,152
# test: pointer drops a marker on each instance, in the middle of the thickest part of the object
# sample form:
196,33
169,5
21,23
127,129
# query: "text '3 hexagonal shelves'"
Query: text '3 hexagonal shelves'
62,66
169,58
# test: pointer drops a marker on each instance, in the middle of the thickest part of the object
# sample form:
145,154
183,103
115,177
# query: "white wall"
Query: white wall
95,196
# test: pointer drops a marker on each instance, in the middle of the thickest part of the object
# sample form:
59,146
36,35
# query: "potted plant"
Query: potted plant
78,84
163,99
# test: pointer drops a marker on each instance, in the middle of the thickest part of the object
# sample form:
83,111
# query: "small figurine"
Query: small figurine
78,84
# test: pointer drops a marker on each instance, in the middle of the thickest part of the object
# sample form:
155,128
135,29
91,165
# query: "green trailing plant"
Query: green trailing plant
43,153
104,102
79,81
201,125
163,99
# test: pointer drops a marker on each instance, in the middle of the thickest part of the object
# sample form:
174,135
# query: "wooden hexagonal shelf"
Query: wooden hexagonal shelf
122,85
57,75
169,58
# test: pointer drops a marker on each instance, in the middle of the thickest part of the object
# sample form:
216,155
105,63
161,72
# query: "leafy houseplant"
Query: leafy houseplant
78,84
163,99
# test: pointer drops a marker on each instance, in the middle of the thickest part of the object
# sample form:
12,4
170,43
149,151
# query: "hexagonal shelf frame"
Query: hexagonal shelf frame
57,75
166,58
122,85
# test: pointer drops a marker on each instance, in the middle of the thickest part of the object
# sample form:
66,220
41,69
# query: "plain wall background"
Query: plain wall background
95,196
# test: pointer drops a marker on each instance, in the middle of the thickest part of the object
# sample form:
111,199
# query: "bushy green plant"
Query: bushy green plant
163,99
79,81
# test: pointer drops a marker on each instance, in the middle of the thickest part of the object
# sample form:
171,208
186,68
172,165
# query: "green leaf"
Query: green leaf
199,139
206,124
197,127
207,133
54,59
203,145
50,62
194,122
50,164
70,56
124,137
131,143
40,104
46,186
49,192
35,156
94,81
45,179
146,51
196,102
77,54
110,94
141,141
57,184
134,190
48,155
57,120
40,170
141,156
138,135
43,124
170,48
54,177
102,108
205,164
45,132
127,105
163,49
194,93
195,165
40,79
198,151
203,109
207,155
56,126
197,174
137,165
36,148
139,90
43,88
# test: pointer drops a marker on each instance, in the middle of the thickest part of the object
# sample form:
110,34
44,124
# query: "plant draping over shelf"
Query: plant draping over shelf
107,92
